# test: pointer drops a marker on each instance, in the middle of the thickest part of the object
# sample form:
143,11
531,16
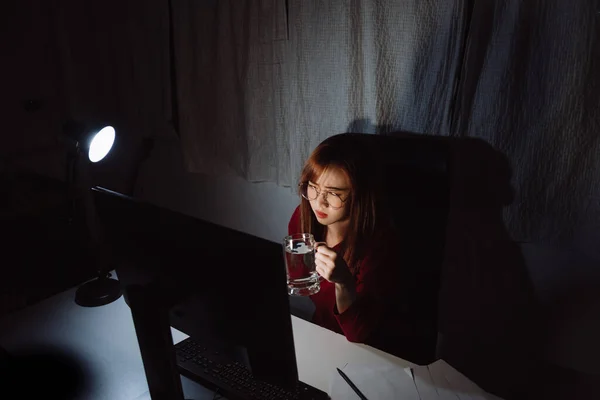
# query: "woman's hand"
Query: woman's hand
331,266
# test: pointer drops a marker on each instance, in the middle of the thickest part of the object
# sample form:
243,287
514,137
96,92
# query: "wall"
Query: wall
261,209
567,284
32,101
64,57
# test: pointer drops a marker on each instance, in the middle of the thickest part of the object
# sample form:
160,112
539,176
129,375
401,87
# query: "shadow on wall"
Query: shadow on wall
488,324
493,327
487,308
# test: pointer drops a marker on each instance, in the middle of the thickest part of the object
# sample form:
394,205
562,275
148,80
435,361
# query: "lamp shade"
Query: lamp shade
101,143
96,141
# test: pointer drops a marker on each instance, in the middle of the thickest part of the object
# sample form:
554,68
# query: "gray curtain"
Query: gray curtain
530,87
261,83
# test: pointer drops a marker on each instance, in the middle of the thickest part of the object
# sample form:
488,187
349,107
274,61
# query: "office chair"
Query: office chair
415,171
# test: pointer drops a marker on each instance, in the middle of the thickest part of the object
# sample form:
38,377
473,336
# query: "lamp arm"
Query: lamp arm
92,224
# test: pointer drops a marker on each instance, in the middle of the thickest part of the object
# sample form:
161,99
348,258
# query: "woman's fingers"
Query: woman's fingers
324,269
320,271
319,268
325,259
321,264
323,249
325,262
320,256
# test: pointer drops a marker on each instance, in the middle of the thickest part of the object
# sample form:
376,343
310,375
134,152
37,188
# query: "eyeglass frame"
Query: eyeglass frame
327,193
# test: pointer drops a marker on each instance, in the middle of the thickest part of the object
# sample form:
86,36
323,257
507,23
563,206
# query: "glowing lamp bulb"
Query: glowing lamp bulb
101,144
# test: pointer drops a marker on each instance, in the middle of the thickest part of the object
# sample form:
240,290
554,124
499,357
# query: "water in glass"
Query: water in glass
302,278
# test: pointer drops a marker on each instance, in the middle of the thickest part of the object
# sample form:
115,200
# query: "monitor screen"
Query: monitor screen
224,288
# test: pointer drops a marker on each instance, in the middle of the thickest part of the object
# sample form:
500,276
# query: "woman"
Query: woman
361,294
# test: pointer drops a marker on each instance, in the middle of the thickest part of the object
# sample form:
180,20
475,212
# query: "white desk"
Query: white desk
104,344
319,351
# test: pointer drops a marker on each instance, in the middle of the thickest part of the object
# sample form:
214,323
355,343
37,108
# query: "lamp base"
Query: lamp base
98,292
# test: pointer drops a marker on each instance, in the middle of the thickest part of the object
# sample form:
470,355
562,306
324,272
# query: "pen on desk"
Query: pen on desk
352,385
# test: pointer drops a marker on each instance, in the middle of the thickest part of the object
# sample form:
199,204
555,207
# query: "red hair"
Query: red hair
348,153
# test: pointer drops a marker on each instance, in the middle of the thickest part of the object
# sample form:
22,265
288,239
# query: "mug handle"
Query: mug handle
317,244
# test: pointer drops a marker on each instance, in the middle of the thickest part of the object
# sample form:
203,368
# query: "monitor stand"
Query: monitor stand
151,320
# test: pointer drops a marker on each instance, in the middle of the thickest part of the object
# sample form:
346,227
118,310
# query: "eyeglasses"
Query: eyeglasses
311,192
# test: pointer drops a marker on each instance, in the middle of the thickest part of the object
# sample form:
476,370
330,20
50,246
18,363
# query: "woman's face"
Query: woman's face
332,183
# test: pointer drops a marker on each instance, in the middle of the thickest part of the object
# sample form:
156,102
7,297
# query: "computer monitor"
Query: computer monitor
220,286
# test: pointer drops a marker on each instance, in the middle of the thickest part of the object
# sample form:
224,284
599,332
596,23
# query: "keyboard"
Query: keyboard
234,379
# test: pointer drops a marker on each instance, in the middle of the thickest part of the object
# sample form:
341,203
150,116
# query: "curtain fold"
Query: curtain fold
263,82
531,90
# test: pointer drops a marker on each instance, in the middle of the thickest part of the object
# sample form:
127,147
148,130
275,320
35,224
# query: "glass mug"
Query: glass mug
299,252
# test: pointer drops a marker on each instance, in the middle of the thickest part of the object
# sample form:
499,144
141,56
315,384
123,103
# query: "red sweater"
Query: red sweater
379,288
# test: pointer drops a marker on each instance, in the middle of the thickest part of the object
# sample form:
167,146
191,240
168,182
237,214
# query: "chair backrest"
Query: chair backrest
416,180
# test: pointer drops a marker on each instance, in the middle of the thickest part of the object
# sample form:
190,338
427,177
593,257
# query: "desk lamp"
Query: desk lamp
93,142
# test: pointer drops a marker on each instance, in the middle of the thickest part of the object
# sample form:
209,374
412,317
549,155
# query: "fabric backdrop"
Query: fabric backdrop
531,88
261,83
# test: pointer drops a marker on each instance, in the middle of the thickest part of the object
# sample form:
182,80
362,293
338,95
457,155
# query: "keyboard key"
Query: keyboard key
234,376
